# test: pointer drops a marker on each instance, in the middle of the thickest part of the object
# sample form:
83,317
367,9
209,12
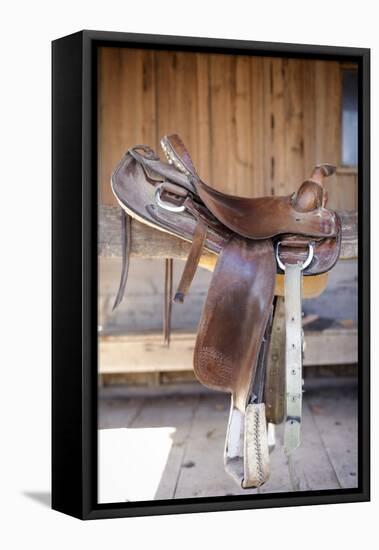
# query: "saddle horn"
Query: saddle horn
312,194
322,171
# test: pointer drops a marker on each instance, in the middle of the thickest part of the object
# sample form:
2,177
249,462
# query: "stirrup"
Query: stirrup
246,453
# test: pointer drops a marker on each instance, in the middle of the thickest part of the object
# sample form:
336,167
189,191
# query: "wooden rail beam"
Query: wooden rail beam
148,242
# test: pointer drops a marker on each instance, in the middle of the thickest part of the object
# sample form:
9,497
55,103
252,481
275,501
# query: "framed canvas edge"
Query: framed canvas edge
74,488
67,364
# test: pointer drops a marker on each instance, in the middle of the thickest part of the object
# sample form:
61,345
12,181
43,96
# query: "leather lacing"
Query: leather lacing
258,448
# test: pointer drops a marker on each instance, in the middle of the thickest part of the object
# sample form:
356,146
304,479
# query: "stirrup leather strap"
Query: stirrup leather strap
292,286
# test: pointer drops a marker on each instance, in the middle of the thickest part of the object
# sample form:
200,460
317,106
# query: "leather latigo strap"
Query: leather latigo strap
234,317
126,244
169,266
192,261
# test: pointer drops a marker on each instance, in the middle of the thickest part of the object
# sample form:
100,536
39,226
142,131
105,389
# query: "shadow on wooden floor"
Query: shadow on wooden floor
171,446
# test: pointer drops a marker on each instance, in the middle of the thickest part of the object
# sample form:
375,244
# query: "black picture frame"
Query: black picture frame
74,271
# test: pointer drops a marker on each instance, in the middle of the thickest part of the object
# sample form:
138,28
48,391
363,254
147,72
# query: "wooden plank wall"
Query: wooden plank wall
254,125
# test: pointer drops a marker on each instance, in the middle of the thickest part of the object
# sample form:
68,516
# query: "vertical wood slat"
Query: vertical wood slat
203,120
182,103
242,132
236,105
254,125
126,109
327,111
220,69
294,116
328,125
257,183
343,191
275,125
309,120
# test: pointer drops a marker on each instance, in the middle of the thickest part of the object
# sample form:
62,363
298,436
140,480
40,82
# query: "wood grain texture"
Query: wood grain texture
146,352
276,114
327,458
126,108
221,116
180,88
148,242
343,192
254,125
294,117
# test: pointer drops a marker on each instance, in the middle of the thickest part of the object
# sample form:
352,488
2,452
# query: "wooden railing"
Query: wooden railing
147,242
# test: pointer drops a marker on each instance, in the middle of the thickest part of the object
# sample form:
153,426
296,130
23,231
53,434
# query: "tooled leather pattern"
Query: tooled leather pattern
221,376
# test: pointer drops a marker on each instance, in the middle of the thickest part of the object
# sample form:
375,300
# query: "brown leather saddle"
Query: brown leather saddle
254,239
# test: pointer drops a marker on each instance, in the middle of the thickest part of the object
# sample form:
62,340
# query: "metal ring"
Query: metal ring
166,205
311,250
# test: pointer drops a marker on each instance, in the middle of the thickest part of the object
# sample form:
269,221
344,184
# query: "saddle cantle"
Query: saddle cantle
254,239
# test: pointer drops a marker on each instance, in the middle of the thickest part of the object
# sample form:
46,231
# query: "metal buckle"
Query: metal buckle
166,205
311,250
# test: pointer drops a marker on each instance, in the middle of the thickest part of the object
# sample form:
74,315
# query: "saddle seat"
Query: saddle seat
302,213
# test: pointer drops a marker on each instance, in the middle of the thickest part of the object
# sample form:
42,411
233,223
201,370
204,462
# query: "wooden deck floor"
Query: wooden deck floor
171,446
